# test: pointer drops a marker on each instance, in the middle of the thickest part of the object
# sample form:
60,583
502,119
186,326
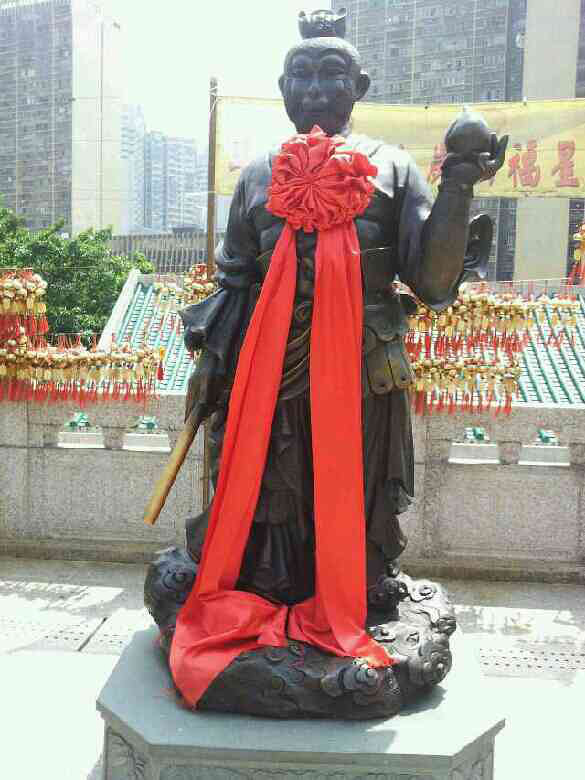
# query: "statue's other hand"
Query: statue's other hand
205,384
476,166
474,153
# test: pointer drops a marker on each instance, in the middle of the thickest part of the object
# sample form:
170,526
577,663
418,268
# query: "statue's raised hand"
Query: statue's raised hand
474,153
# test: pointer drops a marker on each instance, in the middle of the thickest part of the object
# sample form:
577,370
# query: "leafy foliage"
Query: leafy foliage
84,278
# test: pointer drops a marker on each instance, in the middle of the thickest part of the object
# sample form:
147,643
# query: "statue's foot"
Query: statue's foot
392,567
383,599
415,620
427,604
169,580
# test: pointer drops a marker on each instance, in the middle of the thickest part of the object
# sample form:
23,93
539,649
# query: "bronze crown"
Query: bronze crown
323,24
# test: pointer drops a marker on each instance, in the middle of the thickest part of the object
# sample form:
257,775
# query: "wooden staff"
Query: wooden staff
178,455
198,414
211,203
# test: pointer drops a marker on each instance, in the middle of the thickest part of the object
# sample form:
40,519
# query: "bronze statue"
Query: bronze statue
430,248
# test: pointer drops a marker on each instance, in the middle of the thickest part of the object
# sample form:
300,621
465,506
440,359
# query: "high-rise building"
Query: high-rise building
577,205
154,182
222,202
551,72
170,176
459,51
132,152
446,51
189,211
181,168
60,113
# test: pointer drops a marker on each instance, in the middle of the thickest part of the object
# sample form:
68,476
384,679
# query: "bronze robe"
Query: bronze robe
279,559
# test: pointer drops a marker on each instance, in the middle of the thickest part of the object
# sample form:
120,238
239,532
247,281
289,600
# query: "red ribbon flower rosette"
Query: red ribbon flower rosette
317,184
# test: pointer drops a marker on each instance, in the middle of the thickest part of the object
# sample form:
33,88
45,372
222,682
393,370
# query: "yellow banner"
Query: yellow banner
546,155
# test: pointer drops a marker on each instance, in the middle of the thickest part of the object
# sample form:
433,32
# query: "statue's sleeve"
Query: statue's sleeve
217,323
415,202
437,250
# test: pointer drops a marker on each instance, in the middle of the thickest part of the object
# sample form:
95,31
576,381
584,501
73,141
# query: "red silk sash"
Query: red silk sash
315,185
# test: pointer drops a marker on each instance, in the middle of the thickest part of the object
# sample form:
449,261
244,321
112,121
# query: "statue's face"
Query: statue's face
320,86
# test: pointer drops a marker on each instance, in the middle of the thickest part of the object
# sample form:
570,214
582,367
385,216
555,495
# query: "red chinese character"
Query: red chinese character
514,164
439,154
523,166
566,165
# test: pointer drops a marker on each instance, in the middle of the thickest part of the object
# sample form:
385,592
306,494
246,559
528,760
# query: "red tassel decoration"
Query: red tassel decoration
430,403
418,402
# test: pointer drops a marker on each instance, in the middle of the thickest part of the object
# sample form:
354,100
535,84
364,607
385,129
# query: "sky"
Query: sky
171,48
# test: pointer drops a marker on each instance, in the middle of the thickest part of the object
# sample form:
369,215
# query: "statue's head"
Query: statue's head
323,75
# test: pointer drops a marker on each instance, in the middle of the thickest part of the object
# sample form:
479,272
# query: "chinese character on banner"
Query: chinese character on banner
439,154
523,165
565,168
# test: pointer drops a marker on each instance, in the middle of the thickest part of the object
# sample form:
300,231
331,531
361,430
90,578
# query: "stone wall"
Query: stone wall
88,504
503,521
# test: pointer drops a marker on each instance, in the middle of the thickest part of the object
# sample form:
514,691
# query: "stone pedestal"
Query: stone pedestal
146,442
81,440
476,454
544,455
449,735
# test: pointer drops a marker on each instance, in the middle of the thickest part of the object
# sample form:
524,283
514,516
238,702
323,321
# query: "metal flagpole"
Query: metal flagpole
211,204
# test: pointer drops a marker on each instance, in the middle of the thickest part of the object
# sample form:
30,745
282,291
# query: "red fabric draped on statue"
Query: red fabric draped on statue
316,185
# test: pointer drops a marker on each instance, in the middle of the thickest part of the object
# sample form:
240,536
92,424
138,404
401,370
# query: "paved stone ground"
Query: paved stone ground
63,626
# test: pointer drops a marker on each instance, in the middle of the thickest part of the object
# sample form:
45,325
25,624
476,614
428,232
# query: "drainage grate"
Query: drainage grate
106,643
88,636
18,635
537,659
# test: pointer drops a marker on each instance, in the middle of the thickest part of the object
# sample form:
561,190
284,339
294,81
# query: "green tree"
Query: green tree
84,277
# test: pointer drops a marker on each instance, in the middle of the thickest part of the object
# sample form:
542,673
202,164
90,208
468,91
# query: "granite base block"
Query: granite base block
148,736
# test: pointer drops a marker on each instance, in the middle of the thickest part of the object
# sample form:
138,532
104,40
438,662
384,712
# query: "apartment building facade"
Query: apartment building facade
60,114
170,182
464,51
181,176
446,51
132,151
